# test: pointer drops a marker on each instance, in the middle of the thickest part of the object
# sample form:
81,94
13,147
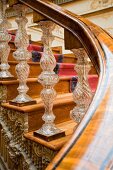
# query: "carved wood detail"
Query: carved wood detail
13,148
16,151
3,93
41,155
12,2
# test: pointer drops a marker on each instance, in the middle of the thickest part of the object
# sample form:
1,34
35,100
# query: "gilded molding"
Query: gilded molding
14,125
3,93
12,2
17,151
41,155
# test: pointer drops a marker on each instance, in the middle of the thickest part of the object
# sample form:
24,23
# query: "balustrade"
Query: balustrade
17,151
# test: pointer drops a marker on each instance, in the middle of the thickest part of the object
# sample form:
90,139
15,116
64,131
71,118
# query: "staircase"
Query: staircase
31,116
20,149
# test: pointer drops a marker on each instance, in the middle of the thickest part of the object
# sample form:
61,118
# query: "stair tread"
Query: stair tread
32,80
29,62
60,99
16,62
67,126
64,77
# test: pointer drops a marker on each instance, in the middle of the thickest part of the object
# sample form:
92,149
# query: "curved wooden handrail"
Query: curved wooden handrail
84,151
91,146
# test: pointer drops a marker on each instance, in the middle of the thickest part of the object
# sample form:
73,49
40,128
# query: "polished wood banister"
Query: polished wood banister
96,127
69,156
99,48
80,152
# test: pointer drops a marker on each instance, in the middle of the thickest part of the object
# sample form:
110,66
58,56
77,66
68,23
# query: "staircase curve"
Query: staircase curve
91,146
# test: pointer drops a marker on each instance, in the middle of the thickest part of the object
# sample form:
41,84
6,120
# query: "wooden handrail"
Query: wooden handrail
90,132
84,151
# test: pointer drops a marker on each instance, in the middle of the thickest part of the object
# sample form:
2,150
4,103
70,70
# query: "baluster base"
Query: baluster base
22,102
49,137
6,75
7,78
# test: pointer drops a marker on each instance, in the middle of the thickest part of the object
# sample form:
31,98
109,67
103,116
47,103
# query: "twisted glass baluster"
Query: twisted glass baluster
22,55
48,79
82,94
4,39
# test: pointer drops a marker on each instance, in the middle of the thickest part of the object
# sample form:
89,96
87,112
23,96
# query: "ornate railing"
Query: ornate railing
102,59
91,41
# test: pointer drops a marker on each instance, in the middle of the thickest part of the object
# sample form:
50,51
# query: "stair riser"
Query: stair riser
35,70
35,88
11,58
62,113
65,60
92,71
69,59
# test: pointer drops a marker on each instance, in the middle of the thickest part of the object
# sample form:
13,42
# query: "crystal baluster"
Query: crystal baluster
22,55
48,79
82,93
4,39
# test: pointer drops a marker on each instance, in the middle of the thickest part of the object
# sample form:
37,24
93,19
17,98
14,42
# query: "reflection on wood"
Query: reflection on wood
93,149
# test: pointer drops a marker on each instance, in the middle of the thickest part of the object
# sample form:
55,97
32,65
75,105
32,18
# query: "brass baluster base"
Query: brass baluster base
49,137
